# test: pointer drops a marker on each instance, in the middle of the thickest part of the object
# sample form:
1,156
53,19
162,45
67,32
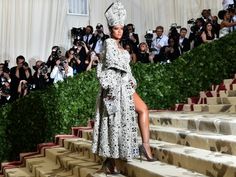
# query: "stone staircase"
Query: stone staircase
221,98
187,144
197,139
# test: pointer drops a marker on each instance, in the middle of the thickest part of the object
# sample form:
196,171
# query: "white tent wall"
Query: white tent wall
32,27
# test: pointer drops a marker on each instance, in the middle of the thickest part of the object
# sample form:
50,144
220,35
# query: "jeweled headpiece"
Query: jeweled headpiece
115,14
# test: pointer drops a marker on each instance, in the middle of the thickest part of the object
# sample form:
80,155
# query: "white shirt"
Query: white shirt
162,41
58,75
226,3
233,28
86,38
99,46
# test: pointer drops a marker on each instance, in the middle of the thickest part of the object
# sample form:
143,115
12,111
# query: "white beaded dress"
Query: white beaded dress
115,127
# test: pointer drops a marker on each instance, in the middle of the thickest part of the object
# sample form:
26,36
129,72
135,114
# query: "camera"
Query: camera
26,86
43,69
4,89
191,21
99,28
231,6
174,25
56,52
77,33
149,36
61,64
25,65
80,43
6,63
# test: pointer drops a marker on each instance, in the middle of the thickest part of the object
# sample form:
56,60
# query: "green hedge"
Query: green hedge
37,117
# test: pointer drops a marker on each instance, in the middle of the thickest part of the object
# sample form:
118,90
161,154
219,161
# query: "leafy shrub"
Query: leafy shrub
37,117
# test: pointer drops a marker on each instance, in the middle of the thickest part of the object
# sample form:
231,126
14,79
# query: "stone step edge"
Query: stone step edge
17,172
149,169
48,167
191,158
181,156
40,152
219,123
209,141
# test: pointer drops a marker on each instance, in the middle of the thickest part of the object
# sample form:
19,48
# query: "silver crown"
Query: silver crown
115,14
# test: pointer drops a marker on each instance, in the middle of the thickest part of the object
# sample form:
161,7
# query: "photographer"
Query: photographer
143,53
77,33
195,33
61,70
173,32
18,73
99,38
73,61
55,55
227,3
169,52
184,43
130,37
5,80
206,16
88,36
149,37
92,61
41,76
81,52
23,88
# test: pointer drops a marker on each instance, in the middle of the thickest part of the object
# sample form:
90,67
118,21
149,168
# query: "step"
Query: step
199,160
209,141
229,100
205,94
233,86
214,100
221,108
24,156
228,81
204,122
200,107
75,161
188,107
211,108
78,163
157,169
144,168
18,172
221,100
45,167
228,93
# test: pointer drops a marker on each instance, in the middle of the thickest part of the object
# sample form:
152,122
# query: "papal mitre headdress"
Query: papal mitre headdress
115,14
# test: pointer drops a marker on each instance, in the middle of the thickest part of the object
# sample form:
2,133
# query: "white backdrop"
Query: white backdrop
32,27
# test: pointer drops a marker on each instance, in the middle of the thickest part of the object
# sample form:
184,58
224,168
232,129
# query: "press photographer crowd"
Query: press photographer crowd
18,81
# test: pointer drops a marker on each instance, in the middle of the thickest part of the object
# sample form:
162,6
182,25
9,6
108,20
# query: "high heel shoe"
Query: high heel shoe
143,152
108,167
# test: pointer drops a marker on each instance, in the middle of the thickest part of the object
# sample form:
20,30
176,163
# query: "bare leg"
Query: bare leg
143,122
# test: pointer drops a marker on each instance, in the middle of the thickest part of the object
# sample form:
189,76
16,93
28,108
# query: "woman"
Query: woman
133,56
115,128
169,52
143,53
72,60
225,24
208,34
